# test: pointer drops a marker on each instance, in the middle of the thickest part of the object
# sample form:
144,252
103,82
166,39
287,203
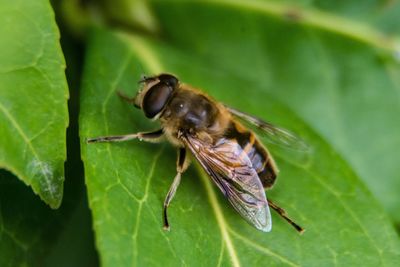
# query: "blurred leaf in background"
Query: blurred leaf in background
31,234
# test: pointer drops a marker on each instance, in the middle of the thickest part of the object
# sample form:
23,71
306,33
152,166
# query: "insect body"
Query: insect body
228,152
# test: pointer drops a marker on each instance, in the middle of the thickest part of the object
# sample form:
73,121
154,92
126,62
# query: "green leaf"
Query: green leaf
33,97
31,234
127,182
339,74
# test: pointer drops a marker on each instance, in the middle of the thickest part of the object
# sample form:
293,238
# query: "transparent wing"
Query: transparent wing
274,133
231,170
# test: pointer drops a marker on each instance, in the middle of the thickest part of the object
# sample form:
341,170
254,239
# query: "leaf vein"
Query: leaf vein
262,249
44,172
141,203
343,204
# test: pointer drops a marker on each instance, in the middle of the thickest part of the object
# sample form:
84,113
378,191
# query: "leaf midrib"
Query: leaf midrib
314,18
225,229
222,225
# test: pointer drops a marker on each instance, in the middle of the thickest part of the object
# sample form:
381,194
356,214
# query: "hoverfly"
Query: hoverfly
229,153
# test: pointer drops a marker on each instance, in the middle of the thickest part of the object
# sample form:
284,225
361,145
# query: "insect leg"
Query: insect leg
126,98
181,166
283,213
154,136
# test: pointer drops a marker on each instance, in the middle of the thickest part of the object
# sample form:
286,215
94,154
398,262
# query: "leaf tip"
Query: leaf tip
46,182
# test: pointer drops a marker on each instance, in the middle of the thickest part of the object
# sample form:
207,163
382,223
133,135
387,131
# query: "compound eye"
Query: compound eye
168,79
155,99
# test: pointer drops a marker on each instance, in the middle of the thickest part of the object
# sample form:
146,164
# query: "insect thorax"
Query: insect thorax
192,111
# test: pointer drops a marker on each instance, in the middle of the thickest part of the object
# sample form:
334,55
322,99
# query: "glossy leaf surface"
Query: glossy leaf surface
33,97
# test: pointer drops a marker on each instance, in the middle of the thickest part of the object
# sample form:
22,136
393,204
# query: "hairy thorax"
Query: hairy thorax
192,112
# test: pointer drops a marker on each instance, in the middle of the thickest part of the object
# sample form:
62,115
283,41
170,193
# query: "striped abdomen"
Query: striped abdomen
262,161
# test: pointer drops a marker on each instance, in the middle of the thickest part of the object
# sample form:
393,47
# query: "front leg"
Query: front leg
128,99
154,136
181,166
